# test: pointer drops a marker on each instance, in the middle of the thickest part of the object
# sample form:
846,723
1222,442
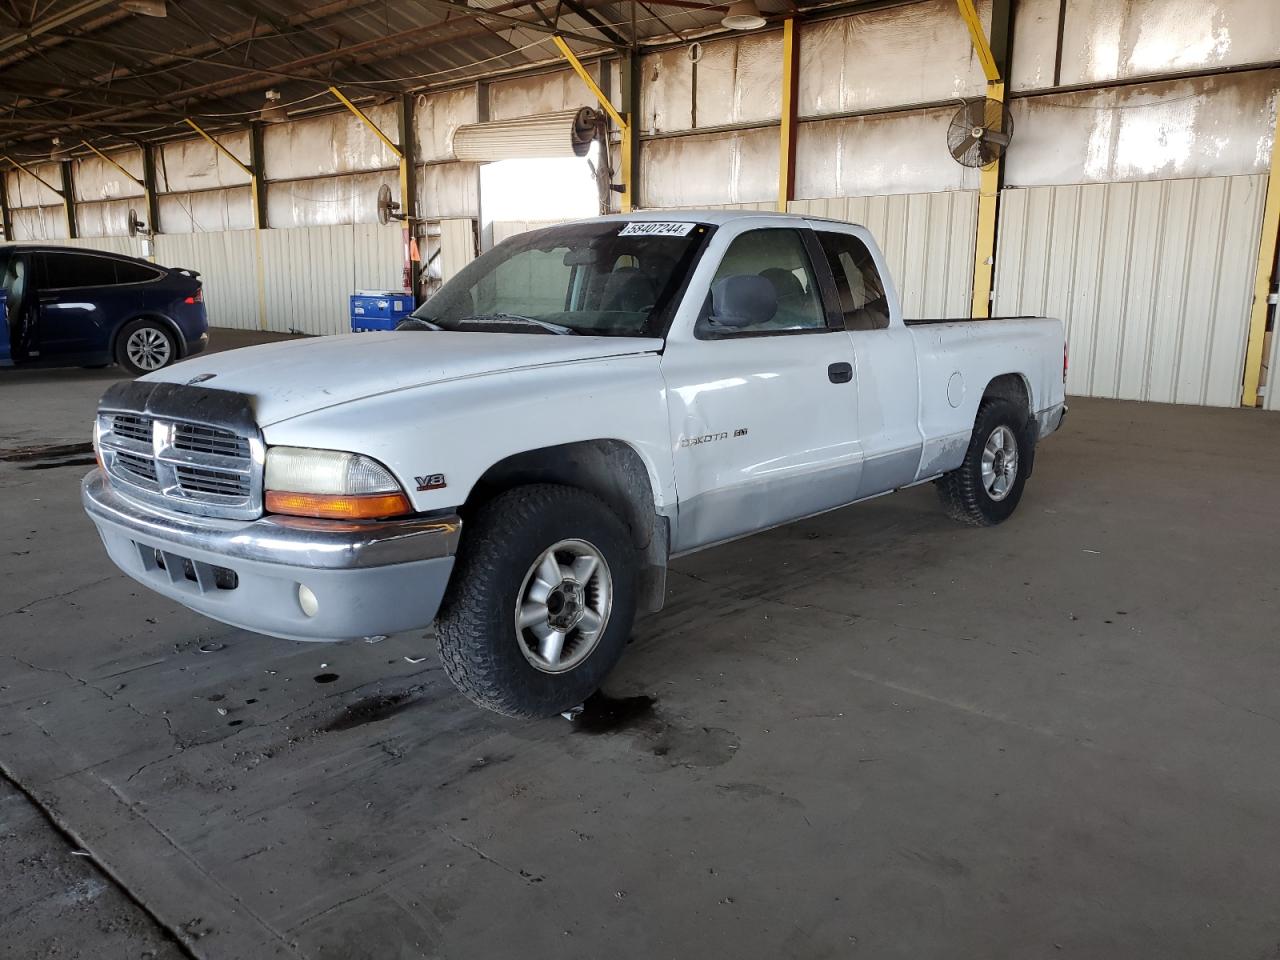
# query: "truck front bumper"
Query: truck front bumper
289,577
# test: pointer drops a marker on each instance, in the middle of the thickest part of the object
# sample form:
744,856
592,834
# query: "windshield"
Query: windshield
614,278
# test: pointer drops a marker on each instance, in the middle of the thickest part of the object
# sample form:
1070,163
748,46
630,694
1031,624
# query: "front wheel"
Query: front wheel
987,486
542,601
145,346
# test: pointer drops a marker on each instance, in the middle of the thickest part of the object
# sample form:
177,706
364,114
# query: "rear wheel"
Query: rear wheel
145,346
987,486
542,601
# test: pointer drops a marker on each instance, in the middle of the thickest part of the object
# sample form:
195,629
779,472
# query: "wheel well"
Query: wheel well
1011,387
609,469
179,341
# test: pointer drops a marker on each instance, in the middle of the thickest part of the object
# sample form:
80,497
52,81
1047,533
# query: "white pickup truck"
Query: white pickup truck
581,404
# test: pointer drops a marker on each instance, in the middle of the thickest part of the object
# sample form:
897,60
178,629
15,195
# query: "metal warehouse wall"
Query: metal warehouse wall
1131,200
1153,280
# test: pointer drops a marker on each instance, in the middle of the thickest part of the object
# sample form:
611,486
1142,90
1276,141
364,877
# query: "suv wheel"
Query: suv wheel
145,346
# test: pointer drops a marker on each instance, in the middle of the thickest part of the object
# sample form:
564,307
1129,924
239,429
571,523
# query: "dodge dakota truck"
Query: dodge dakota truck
520,461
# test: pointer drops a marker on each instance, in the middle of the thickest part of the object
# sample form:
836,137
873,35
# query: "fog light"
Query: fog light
307,600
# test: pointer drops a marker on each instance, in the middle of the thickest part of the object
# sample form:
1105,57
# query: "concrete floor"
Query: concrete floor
874,733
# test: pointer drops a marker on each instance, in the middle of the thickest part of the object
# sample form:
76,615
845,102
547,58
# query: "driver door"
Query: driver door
762,417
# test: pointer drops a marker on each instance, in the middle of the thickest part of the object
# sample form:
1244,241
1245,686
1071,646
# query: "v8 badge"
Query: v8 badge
432,481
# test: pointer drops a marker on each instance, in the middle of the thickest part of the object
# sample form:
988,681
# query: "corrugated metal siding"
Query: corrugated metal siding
457,246
227,265
1152,279
310,272
927,239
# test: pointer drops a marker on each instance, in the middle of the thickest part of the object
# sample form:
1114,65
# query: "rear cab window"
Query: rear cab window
863,302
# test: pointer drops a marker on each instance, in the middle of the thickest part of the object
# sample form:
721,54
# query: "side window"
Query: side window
862,298
762,268
127,272
69,270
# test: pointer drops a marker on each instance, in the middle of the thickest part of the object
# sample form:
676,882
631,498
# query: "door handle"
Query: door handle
840,372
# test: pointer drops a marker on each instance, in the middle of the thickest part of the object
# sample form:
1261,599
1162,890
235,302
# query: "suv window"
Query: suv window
779,256
127,272
67,270
862,299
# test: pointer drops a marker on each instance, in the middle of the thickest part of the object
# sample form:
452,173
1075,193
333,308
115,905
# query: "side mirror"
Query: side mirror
743,300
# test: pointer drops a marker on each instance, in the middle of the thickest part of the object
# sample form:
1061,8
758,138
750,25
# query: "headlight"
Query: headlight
332,484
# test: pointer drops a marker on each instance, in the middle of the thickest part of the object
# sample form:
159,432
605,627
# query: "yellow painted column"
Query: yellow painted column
1262,279
984,253
790,99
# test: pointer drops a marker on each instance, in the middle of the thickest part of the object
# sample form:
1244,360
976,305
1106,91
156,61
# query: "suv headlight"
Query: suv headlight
331,484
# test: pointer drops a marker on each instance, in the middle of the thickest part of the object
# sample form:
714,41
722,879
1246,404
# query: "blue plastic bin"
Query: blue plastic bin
378,309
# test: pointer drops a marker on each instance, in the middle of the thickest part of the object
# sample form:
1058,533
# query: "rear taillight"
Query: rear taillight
197,297
1064,363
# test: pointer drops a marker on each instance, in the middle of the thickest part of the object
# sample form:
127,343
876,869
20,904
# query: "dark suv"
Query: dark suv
69,306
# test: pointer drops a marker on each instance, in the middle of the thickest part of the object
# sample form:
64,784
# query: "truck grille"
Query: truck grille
131,427
202,439
183,465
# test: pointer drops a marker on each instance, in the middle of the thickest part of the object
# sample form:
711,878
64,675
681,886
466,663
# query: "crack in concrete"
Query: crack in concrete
22,607
522,874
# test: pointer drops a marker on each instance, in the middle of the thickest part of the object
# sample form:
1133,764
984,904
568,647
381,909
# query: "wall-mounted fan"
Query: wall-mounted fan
137,228
388,209
980,132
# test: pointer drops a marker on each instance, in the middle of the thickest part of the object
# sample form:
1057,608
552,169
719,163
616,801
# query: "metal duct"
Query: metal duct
565,134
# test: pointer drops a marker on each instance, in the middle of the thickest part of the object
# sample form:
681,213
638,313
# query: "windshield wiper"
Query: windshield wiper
515,318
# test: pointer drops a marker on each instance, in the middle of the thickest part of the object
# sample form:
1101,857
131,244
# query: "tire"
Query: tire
145,346
486,653
966,494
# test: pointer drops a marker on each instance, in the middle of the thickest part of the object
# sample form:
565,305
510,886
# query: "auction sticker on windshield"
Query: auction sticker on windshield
655,228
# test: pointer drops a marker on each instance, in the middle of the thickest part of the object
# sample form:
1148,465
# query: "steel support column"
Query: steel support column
6,221
408,191
69,199
150,193
1267,245
790,102
992,54
630,159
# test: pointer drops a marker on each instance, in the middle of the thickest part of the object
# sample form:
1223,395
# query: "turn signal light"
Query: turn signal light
338,506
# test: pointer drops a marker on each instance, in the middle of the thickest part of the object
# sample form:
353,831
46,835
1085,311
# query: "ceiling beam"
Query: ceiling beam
480,13
379,48
52,22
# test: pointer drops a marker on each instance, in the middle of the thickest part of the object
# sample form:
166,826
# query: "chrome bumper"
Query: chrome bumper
367,578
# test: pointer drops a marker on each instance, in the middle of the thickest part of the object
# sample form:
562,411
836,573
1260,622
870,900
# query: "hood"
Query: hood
293,377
